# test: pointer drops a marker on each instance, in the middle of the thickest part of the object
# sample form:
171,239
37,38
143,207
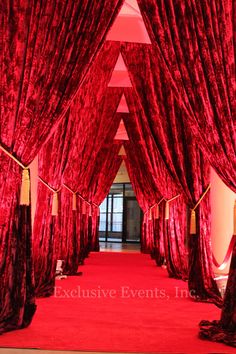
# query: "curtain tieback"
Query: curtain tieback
84,203
156,212
97,209
74,206
54,198
229,252
157,209
167,206
193,228
25,180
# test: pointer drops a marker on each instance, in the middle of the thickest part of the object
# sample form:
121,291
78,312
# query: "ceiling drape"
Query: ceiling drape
46,50
197,59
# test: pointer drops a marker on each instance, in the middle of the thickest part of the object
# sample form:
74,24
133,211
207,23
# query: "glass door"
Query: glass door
132,220
120,215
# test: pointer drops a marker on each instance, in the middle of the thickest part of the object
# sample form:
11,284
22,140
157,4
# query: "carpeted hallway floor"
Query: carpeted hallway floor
122,303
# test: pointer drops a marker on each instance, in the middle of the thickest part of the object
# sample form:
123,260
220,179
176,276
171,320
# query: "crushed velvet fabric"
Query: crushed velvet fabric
141,151
180,155
46,233
195,49
66,236
46,50
17,300
106,168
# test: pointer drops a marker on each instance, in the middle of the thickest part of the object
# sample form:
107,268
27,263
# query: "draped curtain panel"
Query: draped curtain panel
93,110
70,220
46,233
106,168
177,150
142,181
17,301
195,48
197,56
175,240
144,194
159,248
46,50
55,161
167,187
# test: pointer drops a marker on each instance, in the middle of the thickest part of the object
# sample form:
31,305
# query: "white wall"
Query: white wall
222,209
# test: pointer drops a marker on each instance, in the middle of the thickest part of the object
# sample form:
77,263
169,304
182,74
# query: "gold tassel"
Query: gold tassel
83,207
150,214
193,223
74,202
55,204
234,217
167,210
25,188
156,215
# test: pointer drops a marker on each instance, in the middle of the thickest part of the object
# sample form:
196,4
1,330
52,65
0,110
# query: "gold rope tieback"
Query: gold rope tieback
25,187
74,199
167,206
156,211
54,198
97,209
25,179
193,226
84,203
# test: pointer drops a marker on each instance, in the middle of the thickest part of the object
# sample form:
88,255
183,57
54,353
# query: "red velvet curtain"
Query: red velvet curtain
171,231
70,250
145,195
89,140
195,48
181,156
46,50
202,71
17,302
175,240
106,168
139,165
66,235
46,234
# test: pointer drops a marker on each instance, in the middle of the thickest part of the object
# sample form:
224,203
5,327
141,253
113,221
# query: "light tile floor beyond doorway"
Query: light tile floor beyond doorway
119,247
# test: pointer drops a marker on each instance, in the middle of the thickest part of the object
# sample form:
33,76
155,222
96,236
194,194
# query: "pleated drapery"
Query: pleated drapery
177,261
65,236
179,153
46,233
195,49
46,50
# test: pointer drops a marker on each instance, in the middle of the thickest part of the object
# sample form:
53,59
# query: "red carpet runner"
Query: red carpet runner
123,302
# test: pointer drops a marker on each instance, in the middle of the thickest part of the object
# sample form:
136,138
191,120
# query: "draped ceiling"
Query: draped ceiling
57,102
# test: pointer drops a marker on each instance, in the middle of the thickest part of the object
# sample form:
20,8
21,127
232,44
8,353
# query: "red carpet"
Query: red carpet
118,318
